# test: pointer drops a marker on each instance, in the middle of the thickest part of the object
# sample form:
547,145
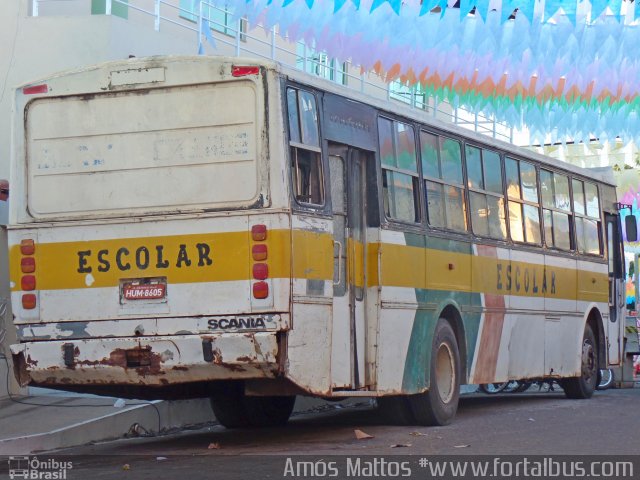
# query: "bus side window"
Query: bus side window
522,193
586,205
399,170
486,197
305,153
556,209
444,186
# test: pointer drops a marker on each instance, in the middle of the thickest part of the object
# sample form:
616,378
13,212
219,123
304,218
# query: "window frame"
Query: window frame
318,150
521,201
417,189
553,208
424,178
485,192
585,216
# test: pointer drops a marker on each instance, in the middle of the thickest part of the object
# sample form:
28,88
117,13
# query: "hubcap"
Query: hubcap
445,373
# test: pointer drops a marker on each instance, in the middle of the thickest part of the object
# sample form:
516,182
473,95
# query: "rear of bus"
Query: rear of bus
149,253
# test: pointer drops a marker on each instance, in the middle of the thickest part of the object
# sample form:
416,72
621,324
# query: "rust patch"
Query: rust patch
142,359
246,359
180,368
31,362
217,356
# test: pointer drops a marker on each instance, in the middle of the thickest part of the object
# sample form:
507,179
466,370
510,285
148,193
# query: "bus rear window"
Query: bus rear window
304,151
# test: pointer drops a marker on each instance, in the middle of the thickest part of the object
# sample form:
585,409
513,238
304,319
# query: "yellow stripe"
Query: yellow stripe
304,255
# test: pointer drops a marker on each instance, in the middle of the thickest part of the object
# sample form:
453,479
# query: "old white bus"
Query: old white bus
227,228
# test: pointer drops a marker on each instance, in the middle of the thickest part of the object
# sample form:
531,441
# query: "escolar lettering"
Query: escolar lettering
525,280
143,258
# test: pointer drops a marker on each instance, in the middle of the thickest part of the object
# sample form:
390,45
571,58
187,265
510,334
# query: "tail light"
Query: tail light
243,71
259,233
27,247
29,301
260,269
35,89
260,290
259,252
28,265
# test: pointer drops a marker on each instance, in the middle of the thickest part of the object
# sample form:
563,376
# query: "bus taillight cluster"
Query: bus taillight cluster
259,255
28,266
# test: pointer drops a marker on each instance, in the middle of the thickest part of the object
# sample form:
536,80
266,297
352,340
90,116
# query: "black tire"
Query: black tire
234,409
493,388
438,405
228,405
582,387
396,410
269,411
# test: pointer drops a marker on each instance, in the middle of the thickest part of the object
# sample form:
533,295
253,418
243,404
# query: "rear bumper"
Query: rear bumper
154,361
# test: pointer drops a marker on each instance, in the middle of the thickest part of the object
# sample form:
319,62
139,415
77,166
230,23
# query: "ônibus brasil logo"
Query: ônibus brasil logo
34,469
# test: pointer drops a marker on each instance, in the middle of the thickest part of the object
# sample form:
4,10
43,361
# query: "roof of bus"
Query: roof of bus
604,175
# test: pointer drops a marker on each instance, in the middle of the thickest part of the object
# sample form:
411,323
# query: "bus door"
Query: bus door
348,195
616,287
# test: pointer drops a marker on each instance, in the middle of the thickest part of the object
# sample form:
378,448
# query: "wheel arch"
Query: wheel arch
594,319
451,313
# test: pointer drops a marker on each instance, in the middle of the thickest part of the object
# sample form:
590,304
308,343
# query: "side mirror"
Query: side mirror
631,227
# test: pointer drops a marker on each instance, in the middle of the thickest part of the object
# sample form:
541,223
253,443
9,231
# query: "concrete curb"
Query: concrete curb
173,415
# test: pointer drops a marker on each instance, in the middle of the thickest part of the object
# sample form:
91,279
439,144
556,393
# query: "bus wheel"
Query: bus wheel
438,405
583,386
269,411
228,405
396,410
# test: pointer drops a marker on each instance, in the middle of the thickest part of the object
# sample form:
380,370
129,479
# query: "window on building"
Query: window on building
523,207
320,64
444,186
486,197
220,19
119,9
556,209
304,144
399,170
414,95
586,205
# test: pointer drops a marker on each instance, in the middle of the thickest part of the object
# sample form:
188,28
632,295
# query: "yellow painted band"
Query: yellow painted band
303,254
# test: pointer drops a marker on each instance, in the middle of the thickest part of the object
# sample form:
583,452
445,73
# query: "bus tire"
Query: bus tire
228,405
270,411
582,387
396,410
438,405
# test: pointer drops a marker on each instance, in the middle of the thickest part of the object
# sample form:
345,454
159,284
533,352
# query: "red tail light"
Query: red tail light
29,301
28,282
260,271
28,265
243,71
259,252
35,89
260,290
259,233
27,247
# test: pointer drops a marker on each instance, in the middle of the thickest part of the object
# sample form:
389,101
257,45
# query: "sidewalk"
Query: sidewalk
48,420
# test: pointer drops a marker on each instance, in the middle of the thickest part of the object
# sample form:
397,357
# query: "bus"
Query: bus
233,229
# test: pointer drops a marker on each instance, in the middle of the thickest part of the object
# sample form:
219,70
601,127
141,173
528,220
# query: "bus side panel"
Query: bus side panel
309,341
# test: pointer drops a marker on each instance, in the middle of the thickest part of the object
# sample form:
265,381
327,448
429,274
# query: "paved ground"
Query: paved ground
509,424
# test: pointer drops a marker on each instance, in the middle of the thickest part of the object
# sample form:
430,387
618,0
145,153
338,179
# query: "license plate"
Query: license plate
153,290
